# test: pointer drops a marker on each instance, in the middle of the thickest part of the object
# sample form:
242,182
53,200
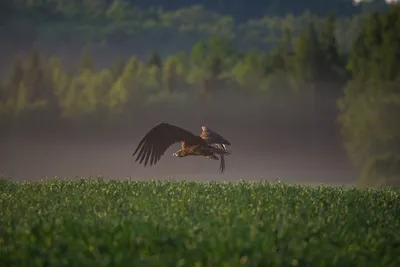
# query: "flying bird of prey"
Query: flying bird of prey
154,144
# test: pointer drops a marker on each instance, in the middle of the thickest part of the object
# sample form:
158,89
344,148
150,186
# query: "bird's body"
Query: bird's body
199,150
158,139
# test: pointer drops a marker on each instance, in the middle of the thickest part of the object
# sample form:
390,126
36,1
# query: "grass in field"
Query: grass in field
131,223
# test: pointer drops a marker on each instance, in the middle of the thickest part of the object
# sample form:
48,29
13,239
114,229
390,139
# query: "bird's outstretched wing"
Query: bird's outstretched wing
159,139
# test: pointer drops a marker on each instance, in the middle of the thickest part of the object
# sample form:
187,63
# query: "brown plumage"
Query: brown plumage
154,144
214,139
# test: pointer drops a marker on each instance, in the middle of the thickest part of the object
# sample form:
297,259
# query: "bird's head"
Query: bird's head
205,129
178,153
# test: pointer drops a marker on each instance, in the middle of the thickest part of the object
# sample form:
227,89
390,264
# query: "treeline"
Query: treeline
207,69
240,9
106,22
244,10
64,27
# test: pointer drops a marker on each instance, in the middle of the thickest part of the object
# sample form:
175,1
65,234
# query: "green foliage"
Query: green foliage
369,122
249,72
86,62
61,24
332,61
16,76
370,106
154,223
382,170
154,60
308,56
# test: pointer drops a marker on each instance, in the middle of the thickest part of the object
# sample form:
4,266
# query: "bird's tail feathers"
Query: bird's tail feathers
222,164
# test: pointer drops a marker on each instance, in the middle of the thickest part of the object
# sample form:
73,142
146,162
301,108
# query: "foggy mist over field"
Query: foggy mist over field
270,140
82,82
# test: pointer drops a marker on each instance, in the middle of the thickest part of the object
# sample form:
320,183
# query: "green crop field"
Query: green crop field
97,222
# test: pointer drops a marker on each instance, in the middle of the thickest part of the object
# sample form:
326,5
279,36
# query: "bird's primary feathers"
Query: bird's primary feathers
154,144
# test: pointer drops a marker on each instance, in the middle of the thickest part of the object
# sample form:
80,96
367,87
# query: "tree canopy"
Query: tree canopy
65,27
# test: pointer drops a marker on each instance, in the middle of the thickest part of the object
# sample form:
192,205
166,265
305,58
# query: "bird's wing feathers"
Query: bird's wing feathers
159,139
213,137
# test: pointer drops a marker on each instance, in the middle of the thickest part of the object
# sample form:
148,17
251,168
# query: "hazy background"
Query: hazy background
267,142
81,82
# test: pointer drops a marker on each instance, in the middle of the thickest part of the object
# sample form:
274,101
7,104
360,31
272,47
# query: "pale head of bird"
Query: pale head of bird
205,129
